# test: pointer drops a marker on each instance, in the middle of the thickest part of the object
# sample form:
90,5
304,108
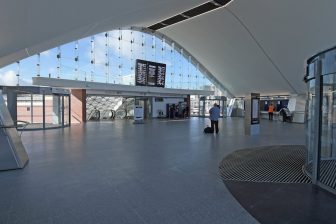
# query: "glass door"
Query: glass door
202,106
310,127
146,105
209,103
327,162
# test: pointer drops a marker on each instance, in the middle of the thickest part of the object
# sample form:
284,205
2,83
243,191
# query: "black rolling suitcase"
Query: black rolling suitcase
208,130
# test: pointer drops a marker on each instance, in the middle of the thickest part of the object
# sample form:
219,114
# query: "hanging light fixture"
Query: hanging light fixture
107,58
76,59
38,65
58,56
92,58
18,73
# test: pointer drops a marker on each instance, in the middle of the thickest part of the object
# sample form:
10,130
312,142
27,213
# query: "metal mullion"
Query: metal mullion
317,122
43,112
69,109
62,108
31,108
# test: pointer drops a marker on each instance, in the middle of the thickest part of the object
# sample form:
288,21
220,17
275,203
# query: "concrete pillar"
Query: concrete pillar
12,104
78,105
188,105
12,152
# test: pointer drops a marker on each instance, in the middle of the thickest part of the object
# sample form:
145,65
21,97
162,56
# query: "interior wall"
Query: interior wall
163,105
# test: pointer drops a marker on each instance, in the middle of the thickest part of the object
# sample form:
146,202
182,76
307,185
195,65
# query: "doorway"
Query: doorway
146,103
205,105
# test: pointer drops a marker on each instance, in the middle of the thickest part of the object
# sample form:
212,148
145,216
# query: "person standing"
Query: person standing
214,115
270,112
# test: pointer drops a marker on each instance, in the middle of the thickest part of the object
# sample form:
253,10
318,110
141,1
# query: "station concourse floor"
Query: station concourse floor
118,172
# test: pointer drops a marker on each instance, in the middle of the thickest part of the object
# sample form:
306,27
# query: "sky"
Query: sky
124,47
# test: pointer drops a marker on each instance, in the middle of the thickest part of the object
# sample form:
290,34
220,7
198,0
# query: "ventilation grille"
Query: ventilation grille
327,172
273,164
198,10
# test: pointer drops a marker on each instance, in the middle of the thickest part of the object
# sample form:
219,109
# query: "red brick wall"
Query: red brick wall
78,105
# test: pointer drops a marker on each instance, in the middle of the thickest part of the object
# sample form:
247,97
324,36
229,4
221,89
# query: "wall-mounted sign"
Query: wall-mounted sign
148,73
255,108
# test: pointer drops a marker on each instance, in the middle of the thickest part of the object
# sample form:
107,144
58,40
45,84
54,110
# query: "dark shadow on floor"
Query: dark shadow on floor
285,203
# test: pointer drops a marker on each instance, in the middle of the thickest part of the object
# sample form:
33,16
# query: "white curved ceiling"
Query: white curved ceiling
259,45
249,46
28,27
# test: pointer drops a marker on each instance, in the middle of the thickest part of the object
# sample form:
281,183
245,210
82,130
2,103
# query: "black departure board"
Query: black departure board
161,75
141,73
148,73
151,76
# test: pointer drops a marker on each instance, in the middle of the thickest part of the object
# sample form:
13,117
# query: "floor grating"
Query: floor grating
327,172
274,164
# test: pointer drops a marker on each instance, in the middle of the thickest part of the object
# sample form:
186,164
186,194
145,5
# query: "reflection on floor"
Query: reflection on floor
118,172
285,203
270,183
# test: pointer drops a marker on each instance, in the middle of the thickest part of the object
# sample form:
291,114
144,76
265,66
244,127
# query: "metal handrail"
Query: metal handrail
23,126
25,123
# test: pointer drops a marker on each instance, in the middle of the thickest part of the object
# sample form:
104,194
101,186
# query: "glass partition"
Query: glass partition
206,103
321,120
310,123
194,105
327,163
38,107
53,111
24,108
37,111
66,109
110,57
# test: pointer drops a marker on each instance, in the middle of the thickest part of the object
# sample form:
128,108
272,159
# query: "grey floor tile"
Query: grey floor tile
118,172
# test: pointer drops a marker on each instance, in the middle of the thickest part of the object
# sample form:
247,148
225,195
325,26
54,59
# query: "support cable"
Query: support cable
92,58
58,56
107,58
38,65
76,59
18,73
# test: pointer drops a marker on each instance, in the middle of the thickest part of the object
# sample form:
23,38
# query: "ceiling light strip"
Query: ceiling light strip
196,11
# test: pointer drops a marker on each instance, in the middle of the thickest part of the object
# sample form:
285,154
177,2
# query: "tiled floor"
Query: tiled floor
285,203
118,172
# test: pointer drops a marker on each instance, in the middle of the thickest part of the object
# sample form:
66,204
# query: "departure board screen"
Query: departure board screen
151,76
161,75
141,73
148,73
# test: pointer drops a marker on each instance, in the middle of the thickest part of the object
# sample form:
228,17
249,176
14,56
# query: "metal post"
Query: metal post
317,121
43,112
69,112
199,106
12,104
31,109
62,109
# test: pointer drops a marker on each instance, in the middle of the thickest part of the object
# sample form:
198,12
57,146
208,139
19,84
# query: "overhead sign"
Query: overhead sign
148,73
255,108
140,73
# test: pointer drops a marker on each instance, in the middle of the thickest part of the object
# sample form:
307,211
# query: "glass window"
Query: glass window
111,59
328,135
53,110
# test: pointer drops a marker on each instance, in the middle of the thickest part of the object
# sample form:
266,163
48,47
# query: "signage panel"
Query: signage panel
148,73
141,73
